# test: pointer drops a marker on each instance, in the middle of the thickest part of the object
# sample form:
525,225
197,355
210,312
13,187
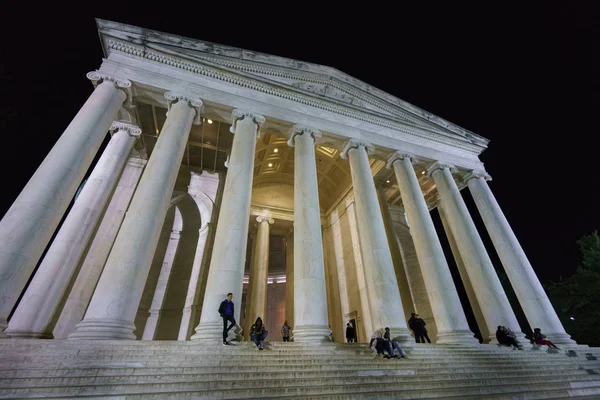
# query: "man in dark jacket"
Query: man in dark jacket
227,312
350,333
418,327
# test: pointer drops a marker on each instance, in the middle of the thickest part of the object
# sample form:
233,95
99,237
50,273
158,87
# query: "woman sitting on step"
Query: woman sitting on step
258,333
539,338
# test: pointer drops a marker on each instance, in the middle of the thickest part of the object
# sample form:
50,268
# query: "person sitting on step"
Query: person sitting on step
539,338
506,337
392,344
378,343
258,333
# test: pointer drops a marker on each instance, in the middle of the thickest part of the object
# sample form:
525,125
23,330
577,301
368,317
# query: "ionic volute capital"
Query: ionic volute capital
192,102
265,218
300,129
356,144
399,156
476,174
239,115
132,130
440,165
123,84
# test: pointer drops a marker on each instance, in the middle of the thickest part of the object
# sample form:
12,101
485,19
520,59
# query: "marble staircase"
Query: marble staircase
69,369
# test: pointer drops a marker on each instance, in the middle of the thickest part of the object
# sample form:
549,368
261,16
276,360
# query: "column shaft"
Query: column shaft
384,296
259,275
310,296
226,272
289,279
490,295
40,303
529,291
83,288
113,308
28,225
451,323
403,286
190,308
162,286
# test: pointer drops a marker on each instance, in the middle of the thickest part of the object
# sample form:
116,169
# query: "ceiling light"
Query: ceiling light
388,181
270,164
209,121
275,150
423,173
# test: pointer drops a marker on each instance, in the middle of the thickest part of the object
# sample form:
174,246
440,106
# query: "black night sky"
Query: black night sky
528,79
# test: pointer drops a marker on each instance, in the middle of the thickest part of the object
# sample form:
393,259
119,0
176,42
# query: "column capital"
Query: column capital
132,130
399,155
440,165
355,144
266,218
123,84
238,115
192,101
97,78
300,129
476,174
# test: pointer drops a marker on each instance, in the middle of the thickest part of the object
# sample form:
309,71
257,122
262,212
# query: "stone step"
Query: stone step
291,364
417,390
333,376
403,366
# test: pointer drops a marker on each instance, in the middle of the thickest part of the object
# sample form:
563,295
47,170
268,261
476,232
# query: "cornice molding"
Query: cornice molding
143,52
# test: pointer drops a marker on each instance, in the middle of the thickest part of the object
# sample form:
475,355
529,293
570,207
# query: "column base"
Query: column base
312,334
3,326
457,337
560,338
211,331
402,335
103,329
27,335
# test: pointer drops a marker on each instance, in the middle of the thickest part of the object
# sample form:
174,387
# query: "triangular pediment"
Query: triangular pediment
318,82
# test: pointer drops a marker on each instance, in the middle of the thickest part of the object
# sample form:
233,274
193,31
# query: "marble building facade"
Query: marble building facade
303,191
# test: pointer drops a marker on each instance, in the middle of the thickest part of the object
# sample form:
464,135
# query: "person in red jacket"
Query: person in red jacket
539,338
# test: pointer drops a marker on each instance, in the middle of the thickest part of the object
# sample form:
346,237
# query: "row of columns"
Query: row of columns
29,224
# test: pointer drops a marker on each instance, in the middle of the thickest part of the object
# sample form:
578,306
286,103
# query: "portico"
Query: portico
219,152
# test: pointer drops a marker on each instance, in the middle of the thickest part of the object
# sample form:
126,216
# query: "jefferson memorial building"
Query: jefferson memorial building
300,189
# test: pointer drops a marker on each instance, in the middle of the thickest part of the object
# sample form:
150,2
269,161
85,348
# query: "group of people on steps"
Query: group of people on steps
380,340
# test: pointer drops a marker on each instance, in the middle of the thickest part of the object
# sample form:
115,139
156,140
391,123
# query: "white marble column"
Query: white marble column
451,323
289,278
83,288
40,303
162,286
28,225
226,272
529,291
259,274
114,305
492,300
384,296
190,307
401,276
310,296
